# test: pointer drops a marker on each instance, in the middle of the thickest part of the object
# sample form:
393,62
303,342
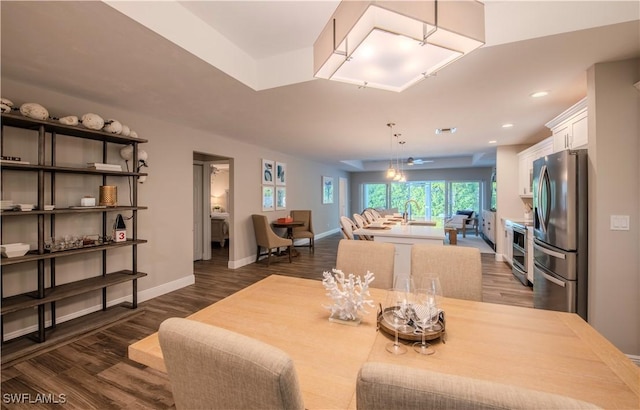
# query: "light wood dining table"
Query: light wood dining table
542,350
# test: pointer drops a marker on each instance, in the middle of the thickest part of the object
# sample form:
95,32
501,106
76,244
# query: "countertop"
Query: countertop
521,221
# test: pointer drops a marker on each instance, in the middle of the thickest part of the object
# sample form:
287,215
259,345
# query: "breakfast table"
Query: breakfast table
549,351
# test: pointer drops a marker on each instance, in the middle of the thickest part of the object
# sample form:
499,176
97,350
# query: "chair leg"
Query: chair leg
290,252
258,254
269,257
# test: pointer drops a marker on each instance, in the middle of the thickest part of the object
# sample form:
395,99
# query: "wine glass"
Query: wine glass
394,313
428,298
405,291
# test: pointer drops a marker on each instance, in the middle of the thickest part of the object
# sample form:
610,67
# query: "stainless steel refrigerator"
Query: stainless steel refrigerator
560,232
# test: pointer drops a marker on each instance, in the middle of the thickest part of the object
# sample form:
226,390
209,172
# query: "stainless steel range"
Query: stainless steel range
519,244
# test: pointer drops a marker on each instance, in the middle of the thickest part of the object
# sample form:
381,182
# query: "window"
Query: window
464,195
436,200
375,196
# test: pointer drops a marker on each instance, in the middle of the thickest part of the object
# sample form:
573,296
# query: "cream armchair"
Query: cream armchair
387,386
463,221
358,257
267,239
214,368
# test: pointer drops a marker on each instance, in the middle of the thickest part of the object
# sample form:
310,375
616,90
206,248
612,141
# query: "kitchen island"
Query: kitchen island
403,236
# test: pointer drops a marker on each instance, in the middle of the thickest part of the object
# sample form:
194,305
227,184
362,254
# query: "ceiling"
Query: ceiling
243,69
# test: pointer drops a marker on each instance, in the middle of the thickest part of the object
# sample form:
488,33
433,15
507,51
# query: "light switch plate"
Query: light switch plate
619,222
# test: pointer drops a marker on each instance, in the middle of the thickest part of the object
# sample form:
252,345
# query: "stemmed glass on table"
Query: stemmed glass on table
428,299
397,311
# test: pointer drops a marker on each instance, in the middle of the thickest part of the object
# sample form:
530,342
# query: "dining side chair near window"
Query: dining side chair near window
347,226
459,269
267,239
214,368
305,231
361,223
358,257
389,386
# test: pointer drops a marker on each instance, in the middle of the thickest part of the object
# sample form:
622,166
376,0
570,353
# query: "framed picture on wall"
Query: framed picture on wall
267,198
267,172
281,197
281,177
327,190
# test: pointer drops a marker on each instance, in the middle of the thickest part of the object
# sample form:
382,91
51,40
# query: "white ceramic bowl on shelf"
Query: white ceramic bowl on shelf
13,250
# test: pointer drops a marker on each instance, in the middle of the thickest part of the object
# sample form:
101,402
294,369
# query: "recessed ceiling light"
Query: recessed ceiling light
539,94
509,125
493,142
445,130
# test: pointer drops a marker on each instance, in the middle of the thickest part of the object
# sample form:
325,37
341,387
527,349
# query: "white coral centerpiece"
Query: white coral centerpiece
349,294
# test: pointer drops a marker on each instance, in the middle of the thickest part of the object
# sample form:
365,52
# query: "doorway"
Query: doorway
212,212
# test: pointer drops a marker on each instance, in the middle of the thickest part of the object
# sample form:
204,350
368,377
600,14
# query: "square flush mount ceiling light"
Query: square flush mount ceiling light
391,45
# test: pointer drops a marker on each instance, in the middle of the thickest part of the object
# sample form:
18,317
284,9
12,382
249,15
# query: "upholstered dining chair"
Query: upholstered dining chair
347,226
358,257
267,239
214,368
459,269
388,386
305,231
361,223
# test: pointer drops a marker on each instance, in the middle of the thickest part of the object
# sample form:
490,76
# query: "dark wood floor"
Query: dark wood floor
94,372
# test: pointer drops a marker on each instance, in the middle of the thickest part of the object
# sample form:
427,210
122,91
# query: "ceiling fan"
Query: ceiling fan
417,161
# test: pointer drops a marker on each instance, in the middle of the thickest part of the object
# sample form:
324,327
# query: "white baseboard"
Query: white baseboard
251,259
160,290
142,296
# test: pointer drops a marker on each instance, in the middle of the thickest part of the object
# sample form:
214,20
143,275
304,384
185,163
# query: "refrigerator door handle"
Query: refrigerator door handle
542,208
552,279
550,252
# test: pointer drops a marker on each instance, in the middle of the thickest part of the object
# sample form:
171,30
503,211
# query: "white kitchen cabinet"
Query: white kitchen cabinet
508,242
489,225
530,253
570,129
525,168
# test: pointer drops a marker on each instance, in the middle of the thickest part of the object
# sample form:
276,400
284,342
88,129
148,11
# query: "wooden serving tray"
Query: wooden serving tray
413,336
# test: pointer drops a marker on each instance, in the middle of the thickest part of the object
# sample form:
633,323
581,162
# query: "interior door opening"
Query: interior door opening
213,196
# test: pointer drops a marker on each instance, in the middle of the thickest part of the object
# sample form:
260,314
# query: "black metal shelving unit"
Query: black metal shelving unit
44,298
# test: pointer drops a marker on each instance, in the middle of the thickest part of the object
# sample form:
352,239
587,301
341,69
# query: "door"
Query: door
197,212
342,197
555,200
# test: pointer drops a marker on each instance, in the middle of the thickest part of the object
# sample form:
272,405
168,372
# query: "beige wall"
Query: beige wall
614,152
168,192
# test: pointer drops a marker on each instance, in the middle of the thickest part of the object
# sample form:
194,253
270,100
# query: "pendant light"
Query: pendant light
391,172
398,175
403,177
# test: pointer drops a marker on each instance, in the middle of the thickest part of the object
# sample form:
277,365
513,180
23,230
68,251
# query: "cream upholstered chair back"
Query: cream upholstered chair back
305,231
459,269
214,368
368,216
347,226
361,223
359,220
266,238
358,257
388,386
